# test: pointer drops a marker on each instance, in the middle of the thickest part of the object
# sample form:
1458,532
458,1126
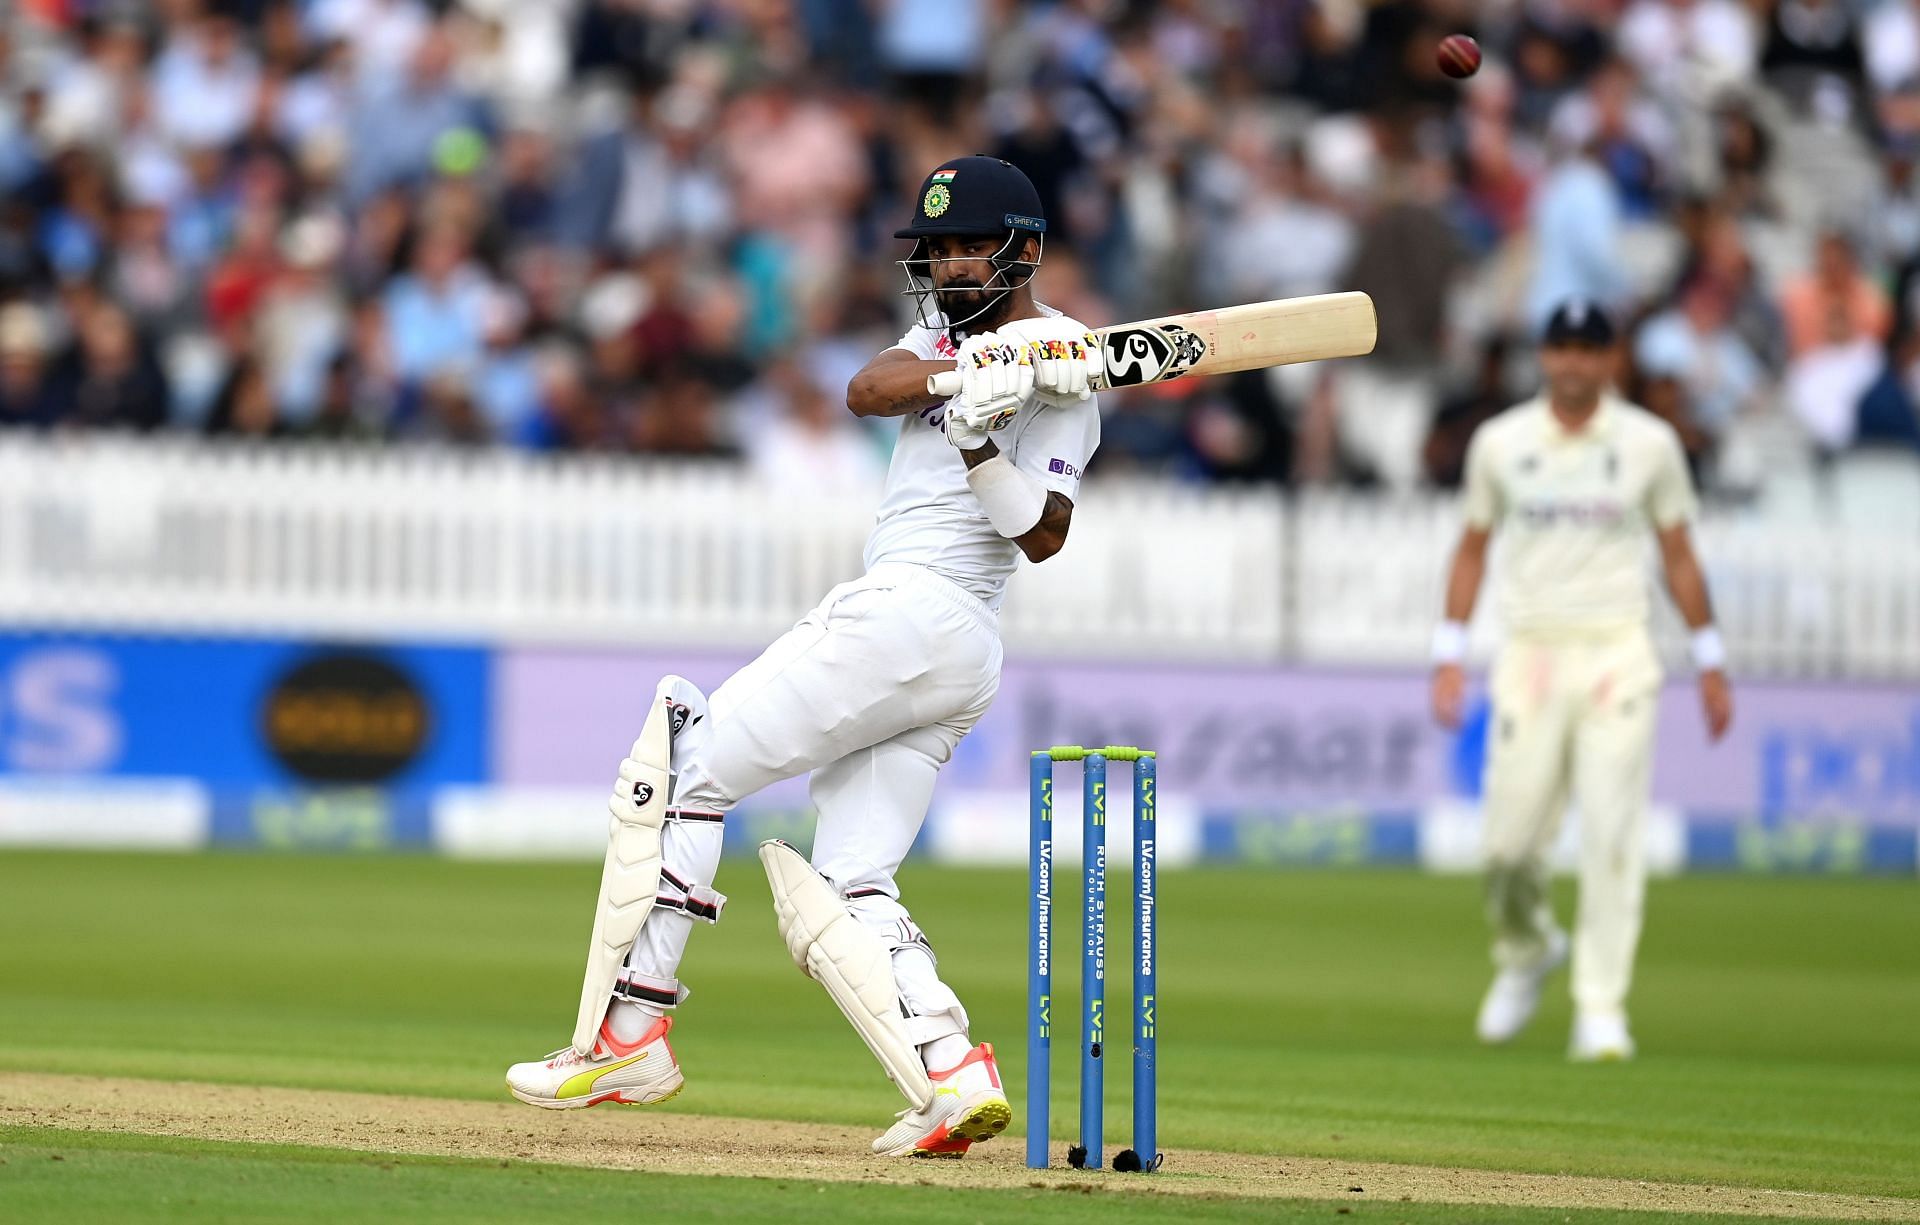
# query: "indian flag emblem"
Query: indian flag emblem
942,176
937,198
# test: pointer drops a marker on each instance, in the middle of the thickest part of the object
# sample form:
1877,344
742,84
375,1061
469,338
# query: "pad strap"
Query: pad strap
696,815
695,901
652,992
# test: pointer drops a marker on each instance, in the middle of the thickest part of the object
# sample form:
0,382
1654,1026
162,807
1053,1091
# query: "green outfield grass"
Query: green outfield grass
1312,1013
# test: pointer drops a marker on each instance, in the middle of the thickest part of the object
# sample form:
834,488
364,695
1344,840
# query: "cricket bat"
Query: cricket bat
1249,337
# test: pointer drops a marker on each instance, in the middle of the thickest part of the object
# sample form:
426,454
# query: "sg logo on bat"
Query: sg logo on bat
1150,354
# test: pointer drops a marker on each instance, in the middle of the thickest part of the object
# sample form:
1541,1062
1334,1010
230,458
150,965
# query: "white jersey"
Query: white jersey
1575,510
929,515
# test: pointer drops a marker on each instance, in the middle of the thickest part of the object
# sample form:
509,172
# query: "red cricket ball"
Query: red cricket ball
1458,55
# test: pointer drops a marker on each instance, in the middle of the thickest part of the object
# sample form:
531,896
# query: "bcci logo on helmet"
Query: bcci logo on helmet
938,197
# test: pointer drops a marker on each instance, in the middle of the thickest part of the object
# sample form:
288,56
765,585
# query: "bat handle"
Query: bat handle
946,384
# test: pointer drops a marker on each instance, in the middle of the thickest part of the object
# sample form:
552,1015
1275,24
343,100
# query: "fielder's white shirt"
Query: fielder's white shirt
1574,511
929,515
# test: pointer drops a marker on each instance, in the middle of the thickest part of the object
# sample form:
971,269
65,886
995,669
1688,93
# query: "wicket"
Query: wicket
1145,1154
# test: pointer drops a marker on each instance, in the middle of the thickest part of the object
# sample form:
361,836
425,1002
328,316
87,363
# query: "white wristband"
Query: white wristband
1449,642
1013,500
1709,652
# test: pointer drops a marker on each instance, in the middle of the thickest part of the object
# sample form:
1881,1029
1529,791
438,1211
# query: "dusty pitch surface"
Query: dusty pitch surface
695,1144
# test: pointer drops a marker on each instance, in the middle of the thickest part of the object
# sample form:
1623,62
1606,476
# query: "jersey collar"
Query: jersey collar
1600,425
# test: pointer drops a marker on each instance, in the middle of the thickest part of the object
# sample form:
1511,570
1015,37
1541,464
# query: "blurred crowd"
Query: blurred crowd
664,226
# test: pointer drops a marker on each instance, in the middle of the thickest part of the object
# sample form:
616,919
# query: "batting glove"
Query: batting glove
1067,364
996,381
964,437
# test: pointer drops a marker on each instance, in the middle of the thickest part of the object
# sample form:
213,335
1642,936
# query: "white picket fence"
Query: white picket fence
175,536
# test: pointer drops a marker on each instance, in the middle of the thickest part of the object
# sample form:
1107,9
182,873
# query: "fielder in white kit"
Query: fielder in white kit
870,692
1575,481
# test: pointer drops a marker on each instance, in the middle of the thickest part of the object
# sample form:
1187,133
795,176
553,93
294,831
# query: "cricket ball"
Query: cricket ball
1458,55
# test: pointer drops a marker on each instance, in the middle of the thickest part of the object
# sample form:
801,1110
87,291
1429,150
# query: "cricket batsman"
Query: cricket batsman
1575,480
869,692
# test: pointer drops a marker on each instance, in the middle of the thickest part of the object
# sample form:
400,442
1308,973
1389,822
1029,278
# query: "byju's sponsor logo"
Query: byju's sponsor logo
1064,468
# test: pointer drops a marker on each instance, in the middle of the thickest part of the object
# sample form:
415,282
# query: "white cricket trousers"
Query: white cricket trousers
1571,714
871,691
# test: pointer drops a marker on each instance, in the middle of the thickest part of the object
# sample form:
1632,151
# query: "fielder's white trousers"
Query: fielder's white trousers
871,691
1572,714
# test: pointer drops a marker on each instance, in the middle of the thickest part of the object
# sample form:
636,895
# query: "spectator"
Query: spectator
1826,382
448,413
1891,43
1628,134
1745,155
811,445
506,387
569,417
1406,259
27,394
931,46
201,220
315,106
436,312
1576,229
341,416
1695,345
397,124
205,81
1444,455
144,276
382,36
1286,239
1813,45
239,279
680,416
302,320
86,93
112,379
1888,413
527,205
1835,301
1239,430
244,407
599,223
1666,398
1719,255
1689,47
75,231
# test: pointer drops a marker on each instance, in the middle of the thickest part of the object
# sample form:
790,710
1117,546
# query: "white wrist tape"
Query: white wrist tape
1013,500
1709,652
1449,642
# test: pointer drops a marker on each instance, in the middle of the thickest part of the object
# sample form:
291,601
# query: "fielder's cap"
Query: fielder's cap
975,196
1578,321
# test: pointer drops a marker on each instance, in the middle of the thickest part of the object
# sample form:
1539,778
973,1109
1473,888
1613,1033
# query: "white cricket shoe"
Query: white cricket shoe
1515,994
1600,1037
636,1073
968,1106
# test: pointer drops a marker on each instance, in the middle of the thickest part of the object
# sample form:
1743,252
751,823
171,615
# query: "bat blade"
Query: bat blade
1250,337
